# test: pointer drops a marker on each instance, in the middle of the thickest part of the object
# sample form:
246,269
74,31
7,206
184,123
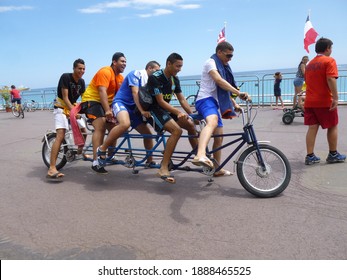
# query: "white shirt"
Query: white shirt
208,86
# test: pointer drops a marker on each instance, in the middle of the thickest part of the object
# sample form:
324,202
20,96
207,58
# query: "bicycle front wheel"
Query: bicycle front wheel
22,113
15,112
46,151
267,181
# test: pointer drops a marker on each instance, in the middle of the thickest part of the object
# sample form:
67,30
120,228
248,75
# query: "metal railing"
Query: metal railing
259,88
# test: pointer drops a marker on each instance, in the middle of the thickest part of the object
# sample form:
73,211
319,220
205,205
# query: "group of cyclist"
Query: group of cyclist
112,102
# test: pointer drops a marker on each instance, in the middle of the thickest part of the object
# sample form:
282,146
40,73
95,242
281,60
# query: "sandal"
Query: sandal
203,161
167,178
223,172
101,156
55,177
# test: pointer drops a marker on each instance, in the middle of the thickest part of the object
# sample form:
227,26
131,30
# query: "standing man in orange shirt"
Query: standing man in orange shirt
321,102
97,99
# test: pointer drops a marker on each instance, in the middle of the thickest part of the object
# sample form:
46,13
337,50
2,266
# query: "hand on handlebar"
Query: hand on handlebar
237,108
182,116
146,114
245,96
109,115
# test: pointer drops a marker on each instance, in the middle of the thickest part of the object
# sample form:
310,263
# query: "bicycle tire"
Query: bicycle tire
191,100
264,183
22,113
15,112
51,107
34,106
46,152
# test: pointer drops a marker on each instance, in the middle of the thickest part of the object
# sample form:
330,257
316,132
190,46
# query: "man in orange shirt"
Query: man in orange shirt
321,102
97,99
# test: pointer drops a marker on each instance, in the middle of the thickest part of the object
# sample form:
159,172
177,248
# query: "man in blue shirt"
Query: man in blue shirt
124,109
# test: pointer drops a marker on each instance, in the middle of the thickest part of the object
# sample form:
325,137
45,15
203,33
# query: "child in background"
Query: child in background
277,89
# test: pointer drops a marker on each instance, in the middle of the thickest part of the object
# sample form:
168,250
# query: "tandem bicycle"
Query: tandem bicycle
263,170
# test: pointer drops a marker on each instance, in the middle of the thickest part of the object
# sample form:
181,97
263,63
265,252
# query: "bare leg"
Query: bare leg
189,126
332,138
147,142
54,152
311,138
116,131
297,91
99,125
205,135
216,144
176,132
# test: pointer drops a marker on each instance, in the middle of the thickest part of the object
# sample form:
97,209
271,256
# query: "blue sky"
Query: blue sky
41,39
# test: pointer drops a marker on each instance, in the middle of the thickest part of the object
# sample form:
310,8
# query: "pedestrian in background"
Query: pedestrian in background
277,89
321,102
299,79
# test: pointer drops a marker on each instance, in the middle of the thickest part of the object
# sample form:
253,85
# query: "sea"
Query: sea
258,83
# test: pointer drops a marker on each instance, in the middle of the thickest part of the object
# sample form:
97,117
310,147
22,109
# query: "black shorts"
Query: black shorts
18,100
277,92
92,110
160,118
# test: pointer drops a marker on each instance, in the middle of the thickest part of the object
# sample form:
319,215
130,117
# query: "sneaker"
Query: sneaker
336,158
99,169
101,156
309,160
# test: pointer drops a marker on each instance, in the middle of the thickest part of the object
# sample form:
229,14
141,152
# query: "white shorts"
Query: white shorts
61,120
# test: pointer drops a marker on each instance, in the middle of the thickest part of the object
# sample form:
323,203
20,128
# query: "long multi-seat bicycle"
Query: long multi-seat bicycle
262,169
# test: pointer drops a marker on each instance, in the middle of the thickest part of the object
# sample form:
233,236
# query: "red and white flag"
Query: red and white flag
221,36
310,34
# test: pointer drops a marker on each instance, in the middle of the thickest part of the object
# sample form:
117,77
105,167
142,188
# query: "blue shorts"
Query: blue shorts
207,107
298,82
134,115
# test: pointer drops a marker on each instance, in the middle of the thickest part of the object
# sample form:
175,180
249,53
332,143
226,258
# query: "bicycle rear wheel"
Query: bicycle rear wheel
46,151
191,100
264,182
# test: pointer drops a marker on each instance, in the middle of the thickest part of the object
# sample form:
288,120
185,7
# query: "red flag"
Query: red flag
310,34
221,36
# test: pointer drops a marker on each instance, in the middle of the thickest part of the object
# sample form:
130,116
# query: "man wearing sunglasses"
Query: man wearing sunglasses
214,102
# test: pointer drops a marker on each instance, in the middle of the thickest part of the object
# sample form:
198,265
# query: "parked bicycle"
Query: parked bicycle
192,98
30,106
262,169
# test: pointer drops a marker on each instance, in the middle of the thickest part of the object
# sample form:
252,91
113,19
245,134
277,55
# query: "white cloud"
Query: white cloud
156,12
157,2
141,4
189,6
103,7
4,9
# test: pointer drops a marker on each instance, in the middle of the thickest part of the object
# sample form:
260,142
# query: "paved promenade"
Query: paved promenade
126,216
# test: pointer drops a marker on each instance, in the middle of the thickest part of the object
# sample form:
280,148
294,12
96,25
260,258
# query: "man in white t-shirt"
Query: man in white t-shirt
217,84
